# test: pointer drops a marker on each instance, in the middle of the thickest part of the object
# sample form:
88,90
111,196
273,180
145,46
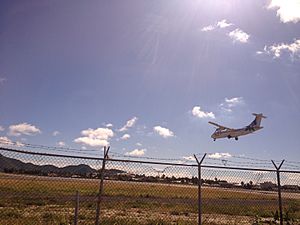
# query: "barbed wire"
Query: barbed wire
211,155
240,162
230,164
292,162
83,151
22,144
53,148
117,154
159,167
290,166
224,161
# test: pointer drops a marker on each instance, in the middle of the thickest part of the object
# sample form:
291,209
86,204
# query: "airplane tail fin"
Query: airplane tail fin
256,122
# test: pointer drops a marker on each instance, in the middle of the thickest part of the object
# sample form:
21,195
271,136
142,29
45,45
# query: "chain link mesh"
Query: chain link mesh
290,183
41,189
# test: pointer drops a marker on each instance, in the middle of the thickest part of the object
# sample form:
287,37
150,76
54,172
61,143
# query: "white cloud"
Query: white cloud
91,141
288,10
109,125
208,28
219,24
125,136
230,103
101,133
23,128
236,35
218,155
55,133
129,123
136,152
61,144
239,35
197,112
95,137
5,141
164,132
223,24
276,50
138,144
189,158
1,128
19,144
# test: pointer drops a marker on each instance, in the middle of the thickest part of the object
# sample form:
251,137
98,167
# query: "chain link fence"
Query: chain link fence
39,188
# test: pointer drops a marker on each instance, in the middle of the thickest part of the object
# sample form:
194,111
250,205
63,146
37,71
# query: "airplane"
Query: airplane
223,132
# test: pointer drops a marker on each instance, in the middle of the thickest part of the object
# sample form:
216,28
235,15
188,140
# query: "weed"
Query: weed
175,213
51,218
9,213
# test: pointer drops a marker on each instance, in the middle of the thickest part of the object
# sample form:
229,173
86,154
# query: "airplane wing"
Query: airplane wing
220,126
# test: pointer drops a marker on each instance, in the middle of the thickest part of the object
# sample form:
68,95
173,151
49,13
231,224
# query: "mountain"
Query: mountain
9,163
14,165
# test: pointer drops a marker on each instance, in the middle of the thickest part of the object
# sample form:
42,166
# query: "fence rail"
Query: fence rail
46,188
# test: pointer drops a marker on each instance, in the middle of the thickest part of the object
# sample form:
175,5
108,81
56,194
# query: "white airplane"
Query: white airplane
223,132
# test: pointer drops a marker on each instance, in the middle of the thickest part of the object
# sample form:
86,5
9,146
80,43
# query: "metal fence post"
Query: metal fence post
76,209
279,190
199,189
101,186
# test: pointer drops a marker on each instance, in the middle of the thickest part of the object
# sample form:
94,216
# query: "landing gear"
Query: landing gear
229,137
214,139
236,138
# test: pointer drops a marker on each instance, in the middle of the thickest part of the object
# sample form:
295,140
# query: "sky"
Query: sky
145,77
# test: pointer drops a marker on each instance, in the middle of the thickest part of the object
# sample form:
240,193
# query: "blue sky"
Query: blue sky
83,75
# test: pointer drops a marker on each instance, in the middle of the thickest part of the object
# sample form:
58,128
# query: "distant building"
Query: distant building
267,186
291,187
225,184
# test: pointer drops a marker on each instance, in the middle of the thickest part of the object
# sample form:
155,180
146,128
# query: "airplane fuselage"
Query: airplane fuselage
225,132
233,133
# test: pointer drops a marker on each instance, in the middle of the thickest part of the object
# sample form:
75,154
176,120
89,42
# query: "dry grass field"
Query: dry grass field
51,200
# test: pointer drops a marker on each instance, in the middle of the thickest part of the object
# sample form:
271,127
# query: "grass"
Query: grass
51,201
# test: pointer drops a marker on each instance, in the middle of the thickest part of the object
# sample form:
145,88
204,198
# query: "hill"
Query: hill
17,166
